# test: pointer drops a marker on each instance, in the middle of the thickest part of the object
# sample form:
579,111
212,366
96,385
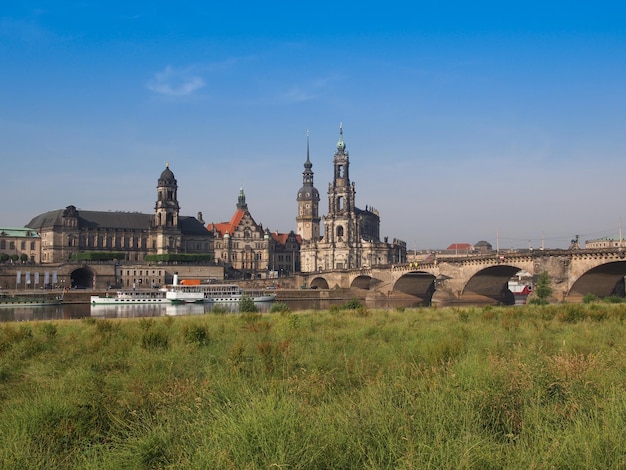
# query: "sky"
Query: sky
465,121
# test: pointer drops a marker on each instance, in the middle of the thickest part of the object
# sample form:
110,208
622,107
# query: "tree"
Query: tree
246,305
543,290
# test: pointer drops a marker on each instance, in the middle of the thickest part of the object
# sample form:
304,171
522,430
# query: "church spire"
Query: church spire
241,200
341,144
308,163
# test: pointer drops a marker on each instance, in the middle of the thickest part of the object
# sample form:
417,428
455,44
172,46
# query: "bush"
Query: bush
352,304
280,307
198,334
178,257
589,298
154,340
219,308
246,305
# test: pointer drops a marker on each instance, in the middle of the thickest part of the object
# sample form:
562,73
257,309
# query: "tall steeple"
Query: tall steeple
308,220
341,229
166,214
166,207
241,200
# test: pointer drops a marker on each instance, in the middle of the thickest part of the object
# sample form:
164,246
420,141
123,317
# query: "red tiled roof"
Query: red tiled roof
229,227
282,238
460,246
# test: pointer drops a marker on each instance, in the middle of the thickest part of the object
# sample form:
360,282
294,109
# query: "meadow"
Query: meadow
534,387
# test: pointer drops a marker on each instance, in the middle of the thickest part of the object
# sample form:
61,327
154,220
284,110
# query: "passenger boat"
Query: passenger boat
521,290
132,296
34,299
179,294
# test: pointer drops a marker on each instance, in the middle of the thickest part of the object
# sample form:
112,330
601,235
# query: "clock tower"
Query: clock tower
308,219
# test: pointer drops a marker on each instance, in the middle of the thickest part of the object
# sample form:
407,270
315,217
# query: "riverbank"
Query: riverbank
342,388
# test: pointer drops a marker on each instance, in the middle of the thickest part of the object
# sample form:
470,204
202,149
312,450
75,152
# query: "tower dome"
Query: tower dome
341,145
167,177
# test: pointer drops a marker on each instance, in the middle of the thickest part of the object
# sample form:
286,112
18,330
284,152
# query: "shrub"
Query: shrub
198,334
613,299
152,340
589,298
352,304
219,308
49,329
246,305
543,289
280,307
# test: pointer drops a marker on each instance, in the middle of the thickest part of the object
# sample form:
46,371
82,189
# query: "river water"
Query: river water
77,311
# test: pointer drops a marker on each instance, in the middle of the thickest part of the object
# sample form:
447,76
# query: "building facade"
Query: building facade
68,232
248,251
19,245
240,244
351,236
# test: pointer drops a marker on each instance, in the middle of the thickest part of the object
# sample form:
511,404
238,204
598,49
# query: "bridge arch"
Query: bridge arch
82,278
318,283
362,282
491,283
603,280
420,284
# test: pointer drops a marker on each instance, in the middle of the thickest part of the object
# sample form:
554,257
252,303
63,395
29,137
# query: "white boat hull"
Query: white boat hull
131,298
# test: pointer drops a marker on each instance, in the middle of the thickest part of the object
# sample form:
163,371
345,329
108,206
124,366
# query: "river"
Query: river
77,311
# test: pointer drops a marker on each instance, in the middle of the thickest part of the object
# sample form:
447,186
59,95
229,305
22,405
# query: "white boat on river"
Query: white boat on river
132,296
218,293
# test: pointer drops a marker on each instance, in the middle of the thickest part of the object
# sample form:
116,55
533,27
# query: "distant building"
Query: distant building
351,236
458,249
285,253
242,245
69,231
604,243
483,247
20,244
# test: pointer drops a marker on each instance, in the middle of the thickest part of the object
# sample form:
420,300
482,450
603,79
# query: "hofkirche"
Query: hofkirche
346,237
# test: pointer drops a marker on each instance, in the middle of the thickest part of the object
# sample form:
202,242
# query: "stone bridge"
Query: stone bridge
484,279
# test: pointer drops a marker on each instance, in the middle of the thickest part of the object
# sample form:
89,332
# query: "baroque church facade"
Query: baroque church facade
346,237
69,231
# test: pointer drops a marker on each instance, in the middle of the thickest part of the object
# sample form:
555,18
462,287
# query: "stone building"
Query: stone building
285,253
604,243
241,245
19,244
67,232
351,236
247,250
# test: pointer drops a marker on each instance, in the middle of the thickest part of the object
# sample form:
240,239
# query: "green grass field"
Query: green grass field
535,387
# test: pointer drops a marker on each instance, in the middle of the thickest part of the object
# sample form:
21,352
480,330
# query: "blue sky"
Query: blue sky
465,121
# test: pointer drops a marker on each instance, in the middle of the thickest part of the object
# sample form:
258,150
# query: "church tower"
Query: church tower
166,224
340,225
308,219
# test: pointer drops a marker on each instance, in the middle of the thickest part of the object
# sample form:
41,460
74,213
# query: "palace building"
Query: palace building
68,232
349,237
247,250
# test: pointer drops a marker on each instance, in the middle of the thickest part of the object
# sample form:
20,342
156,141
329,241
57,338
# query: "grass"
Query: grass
528,387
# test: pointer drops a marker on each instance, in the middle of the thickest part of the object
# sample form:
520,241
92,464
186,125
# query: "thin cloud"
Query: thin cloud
309,91
175,83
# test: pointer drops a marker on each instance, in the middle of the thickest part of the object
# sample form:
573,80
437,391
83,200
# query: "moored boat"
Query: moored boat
219,293
521,290
127,297
34,299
